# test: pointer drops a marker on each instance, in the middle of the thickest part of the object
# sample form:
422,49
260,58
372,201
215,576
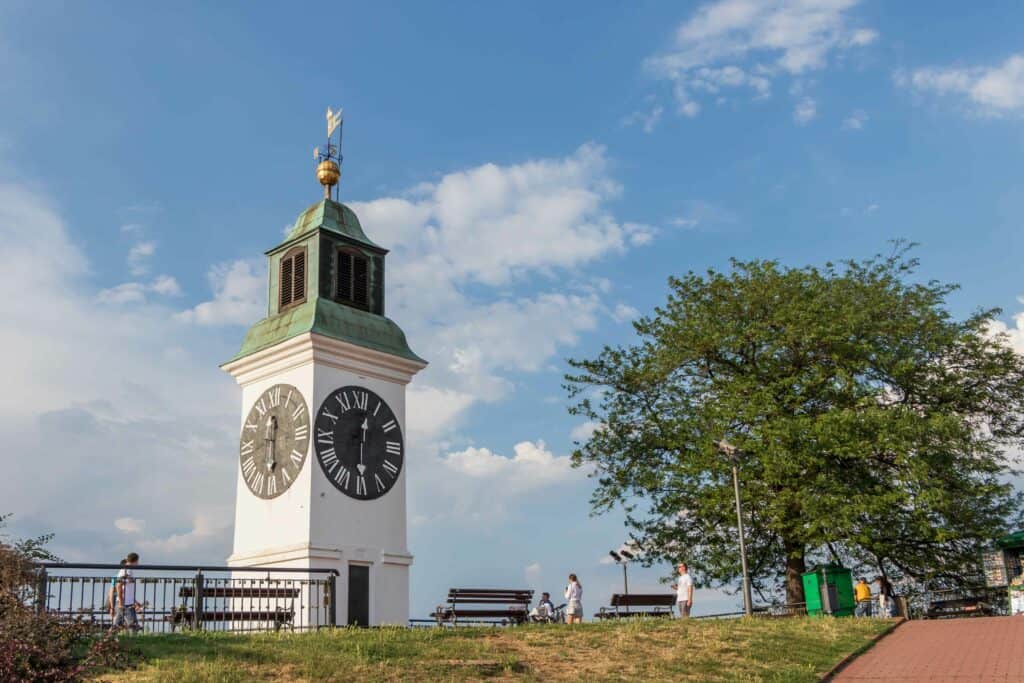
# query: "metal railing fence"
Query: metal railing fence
169,598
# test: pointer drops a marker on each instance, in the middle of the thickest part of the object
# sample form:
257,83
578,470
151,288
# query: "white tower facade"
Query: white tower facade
321,478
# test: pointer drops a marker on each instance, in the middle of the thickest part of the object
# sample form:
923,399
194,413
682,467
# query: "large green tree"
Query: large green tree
872,424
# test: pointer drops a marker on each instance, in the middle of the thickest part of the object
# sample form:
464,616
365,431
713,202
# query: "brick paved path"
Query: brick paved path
978,649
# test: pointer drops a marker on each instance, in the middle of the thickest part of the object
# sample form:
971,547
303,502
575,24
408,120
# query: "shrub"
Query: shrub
41,647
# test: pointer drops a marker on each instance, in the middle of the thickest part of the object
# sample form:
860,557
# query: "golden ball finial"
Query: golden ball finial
328,173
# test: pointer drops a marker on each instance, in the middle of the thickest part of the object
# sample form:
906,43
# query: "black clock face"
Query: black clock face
274,441
358,442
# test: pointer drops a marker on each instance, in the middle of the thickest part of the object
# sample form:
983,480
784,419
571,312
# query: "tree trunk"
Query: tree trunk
795,567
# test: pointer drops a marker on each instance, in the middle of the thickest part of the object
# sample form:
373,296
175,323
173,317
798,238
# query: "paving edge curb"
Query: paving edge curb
845,661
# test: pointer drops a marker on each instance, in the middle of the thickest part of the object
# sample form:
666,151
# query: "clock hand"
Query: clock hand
269,437
361,467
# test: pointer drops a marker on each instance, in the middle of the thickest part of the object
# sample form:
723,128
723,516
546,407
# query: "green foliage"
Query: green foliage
796,649
871,424
41,647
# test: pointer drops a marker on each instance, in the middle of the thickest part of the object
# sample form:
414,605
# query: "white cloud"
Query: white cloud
206,529
165,285
532,572
532,467
624,313
805,111
747,44
139,256
648,120
130,525
239,295
126,293
135,292
1014,336
583,431
537,215
856,120
991,91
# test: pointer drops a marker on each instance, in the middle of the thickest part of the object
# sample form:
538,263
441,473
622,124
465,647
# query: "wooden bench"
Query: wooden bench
659,604
278,616
497,605
959,607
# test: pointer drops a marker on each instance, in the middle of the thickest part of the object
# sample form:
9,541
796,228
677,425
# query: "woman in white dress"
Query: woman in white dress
574,600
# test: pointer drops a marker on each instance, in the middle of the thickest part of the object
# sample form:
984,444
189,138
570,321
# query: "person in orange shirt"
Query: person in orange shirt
862,594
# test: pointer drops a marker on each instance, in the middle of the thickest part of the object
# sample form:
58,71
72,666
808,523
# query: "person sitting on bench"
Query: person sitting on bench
544,610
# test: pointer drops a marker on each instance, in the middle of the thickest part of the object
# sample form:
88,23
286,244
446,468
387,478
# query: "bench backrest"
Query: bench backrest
238,592
490,596
643,600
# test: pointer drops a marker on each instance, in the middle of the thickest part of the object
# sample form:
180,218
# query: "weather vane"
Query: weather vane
328,170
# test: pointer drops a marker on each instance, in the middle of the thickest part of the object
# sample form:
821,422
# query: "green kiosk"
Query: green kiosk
828,589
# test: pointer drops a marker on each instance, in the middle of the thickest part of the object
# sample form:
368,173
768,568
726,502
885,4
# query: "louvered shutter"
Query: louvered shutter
360,286
299,277
286,282
344,276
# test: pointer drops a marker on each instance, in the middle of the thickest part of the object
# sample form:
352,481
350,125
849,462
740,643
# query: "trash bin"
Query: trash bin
828,589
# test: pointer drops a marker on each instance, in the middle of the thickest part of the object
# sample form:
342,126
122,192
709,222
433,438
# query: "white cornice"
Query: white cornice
315,348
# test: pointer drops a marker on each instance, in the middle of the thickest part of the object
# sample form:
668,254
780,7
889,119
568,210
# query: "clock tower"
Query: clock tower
322,440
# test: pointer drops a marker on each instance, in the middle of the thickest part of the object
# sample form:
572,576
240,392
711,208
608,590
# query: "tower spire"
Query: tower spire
328,170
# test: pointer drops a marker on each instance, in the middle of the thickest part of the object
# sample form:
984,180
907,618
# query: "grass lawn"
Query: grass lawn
797,649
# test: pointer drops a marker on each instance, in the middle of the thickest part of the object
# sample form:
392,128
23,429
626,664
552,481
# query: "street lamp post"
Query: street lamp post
733,453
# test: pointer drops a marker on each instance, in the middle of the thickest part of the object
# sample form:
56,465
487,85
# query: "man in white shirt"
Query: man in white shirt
684,591
125,591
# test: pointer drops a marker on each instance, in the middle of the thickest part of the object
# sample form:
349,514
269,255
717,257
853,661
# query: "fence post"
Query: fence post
332,594
42,590
197,601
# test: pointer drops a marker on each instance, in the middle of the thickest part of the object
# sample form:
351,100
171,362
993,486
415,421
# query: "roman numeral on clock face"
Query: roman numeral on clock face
393,447
360,486
342,400
272,486
274,397
342,477
329,459
360,399
388,426
302,432
390,468
297,456
378,483
299,410
324,436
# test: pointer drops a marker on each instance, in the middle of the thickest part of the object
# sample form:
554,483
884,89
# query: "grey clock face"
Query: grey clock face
274,441
358,442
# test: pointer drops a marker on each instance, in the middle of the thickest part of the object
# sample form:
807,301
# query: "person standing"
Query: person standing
574,600
684,591
862,595
886,598
126,604
112,594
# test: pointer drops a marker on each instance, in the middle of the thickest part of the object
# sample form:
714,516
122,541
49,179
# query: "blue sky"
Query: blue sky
538,171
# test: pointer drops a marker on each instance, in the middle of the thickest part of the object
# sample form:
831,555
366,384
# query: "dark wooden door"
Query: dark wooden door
358,595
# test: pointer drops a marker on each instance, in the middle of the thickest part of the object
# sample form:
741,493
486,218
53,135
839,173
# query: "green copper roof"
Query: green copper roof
330,215
1014,540
331,319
